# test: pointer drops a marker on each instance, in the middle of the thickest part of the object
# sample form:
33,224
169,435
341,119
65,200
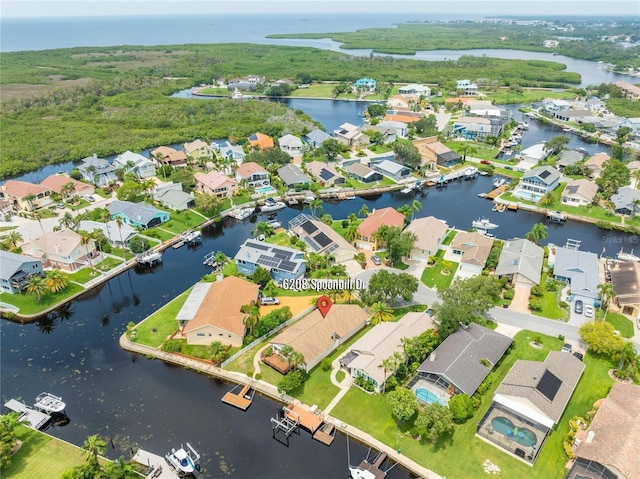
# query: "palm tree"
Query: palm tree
92,171
56,280
293,357
380,312
252,312
68,189
406,210
94,445
538,232
85,240
37,286
13,238
364,210
36,215
416,206
386,365
98,236
30,199
635,202
120,222
629,360
120,469
467,149
67,220
263,228
607,293
351,233
10,423
547,200
315,205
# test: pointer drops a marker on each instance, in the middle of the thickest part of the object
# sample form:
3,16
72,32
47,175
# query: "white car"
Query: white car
588,311
268,300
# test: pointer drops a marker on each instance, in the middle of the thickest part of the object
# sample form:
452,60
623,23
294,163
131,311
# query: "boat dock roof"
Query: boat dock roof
35,418
158,467
307,419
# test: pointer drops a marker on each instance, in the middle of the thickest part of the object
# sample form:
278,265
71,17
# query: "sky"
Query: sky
56,8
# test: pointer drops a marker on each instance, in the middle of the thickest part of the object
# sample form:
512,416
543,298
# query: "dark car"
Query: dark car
376,260
566,348
578,307
578,355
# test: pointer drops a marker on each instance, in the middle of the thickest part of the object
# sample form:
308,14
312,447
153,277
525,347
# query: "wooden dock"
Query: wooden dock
241,400
35,418
310,420
157,466
496,192
326,434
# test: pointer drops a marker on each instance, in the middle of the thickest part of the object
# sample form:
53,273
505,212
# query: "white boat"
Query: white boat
272,205
274,224
192,236
308,199
470,173
47,402
150,257
406,190
241,214
484,224
556,216
523,125
622,256
499,182
184,461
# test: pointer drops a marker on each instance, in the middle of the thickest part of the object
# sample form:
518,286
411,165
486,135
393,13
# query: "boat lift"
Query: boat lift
286,425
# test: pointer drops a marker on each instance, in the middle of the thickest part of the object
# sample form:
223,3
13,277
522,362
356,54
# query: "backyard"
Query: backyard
27,303
433,276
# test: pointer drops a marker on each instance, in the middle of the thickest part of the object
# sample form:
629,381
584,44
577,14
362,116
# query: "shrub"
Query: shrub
535,304
258,376
461,407
292,381
173,345
508,294
365,384
345,223
484,385
551,285
561,337
537,291
325,364
391,384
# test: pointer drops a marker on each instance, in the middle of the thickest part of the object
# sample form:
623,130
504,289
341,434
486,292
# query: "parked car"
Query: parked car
588,311
89,198
578,307
60,205
578,355
508,167
485,162
566,348
268,300
376,260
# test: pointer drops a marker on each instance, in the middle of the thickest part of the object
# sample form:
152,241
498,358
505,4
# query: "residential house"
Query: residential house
392,170
364,85
61,249
254,174
364,357
167,156
139,215
170,195
414,90
321,238
135,163
98,171
579,193
631,92
400,128
283,263
116,236
579,269
626,201
538,182
387,134
351,135
529,403
366,237
213,311
467,87
530,157
403,116
461,362
57,182
573,115
435,153
553,105
229,152
316,336
472,127
400,102
16,271
249,83
550,43
625,278
292,176
430,233
316,138
473,251
596,164
569,157
25,196
609,447
634,124
325,173
521,262
363,173
198,150
291,145
260,141
216,184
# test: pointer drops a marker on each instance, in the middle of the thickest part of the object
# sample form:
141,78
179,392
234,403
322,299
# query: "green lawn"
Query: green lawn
83,275
157,327
461,455
432,276
108,263
449,238
160,233
504,96
338,228
27,303
214,91
483,151
325,90
620,323
550,307
181,220
119,251
359,185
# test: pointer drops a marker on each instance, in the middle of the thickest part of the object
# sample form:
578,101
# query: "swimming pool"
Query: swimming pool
266,190
428,397
521,435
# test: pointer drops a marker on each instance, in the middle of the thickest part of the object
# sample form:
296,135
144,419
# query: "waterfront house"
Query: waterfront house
366,237
16,271
228,151
473,127
260,141
364,357
573,115
462,361
364,85
538,182
167,156
170,195
254,174
569,157
485,109
291,145
472,249
403,116
321,238
553,105
351,135
325,173
135,163
521,262
530,157
387,134
316,138
529,402
292,176
61,249
434,153
216,184
625,278
363,173
399,128
283,263
198,150
316,336
56,183
609,448
595,164
98,171
400,102
626,201
579,193
579,269
430,233
248,83
213,311
116,236
25,196
631,92
414,90
392,170
467,87
139,215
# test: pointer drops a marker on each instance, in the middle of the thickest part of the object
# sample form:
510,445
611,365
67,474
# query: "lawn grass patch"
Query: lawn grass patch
449,238
155,329
432,276
120,251
83,275
159,233
27,304
483,151
622,324
108,263
550,307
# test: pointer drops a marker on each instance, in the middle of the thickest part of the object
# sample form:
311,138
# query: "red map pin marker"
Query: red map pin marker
324,305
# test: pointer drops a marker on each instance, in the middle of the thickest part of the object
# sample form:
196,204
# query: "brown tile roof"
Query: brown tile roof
431,144
247,169
59,243
221,305
597,160
585,188
56,182
214,179
261,140
196,145
402,118
313,335
476,247
170,154
384,216
430,232
20,189
613,438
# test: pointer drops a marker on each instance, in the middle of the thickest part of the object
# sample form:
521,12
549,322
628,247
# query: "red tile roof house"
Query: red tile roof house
56,182
260,141
17,191
366,237
217,184
61,249
255,174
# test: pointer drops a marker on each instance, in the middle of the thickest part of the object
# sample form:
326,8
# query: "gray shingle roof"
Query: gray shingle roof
523,257
12,263
546,174
292,175
137,212
623,199
317,136
581,267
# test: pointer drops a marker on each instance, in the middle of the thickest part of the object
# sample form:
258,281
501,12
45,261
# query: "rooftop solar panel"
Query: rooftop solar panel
281,254
323,240
309,227
259,246
313,244
544,174
326,174
549,385
288,266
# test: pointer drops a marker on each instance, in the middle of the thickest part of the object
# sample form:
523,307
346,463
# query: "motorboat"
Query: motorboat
622,256
483,224
274,224
557,216
497,183
407,190
272,205
184,460
470,173
192,236
242,214
150,257
47,402
308,199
